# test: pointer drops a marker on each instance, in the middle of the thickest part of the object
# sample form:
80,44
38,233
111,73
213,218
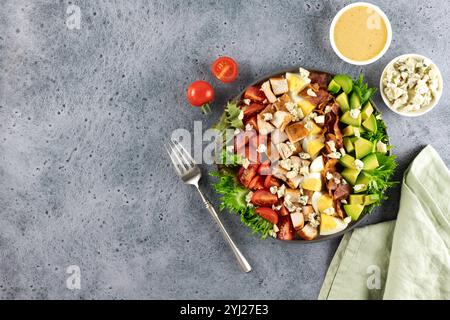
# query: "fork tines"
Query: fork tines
181,159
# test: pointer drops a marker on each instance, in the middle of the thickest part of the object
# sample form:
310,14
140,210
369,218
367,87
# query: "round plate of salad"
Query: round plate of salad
304,155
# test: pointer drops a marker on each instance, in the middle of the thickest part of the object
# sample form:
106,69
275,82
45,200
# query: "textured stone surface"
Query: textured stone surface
84,113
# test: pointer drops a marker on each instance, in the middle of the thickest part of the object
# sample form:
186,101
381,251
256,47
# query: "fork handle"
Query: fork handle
239,256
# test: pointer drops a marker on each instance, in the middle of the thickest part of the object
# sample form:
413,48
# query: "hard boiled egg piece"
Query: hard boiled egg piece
313,145
331,225
317,165
312,182
321,202
315,200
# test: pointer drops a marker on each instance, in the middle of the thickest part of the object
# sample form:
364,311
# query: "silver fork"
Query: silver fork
190,173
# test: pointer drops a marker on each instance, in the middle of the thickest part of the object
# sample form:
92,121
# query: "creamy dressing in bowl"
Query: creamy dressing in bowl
360,33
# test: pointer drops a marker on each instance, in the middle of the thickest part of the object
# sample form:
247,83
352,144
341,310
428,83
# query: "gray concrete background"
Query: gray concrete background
84,113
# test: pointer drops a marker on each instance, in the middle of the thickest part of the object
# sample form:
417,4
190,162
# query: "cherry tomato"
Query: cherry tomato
201,94
225,69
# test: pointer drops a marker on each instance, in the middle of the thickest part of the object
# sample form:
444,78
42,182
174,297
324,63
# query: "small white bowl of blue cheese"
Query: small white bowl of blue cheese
411,85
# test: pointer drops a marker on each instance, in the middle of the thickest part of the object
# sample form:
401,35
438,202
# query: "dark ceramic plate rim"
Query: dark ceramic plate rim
352,225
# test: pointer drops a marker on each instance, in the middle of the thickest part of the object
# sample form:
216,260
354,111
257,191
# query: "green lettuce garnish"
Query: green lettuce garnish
362,89
380,179
233,198
230,118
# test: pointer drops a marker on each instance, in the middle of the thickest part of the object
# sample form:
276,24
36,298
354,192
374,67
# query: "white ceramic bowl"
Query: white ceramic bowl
388,27
423,110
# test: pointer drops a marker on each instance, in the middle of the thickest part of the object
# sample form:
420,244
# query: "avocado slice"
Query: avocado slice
367,110
370,162
363,180
370,198
357,199
348,119
370,123
348,131
355,103
345,82
351,131
353,210
348,161
348,144
334,87
350,175
362,147
342,101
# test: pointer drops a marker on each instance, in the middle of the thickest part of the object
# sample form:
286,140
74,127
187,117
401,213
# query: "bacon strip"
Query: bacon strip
342,192
322,79
322,96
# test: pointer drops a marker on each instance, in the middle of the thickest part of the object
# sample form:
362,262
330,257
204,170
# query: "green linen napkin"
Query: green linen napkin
404,259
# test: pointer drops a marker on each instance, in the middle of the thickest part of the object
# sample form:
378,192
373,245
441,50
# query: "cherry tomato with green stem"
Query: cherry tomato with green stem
200,94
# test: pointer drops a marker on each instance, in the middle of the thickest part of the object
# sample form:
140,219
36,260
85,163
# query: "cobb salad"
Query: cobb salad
303,155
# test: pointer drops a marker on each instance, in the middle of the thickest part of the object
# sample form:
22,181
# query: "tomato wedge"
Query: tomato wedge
271,182
225,69
254,94
253,122
283,211
264,198
264,169
267,214
253,110
257,183
247,175
286,229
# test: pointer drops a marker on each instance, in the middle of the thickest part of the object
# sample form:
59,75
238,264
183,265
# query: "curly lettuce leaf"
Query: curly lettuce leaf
380,179
233,112
230,159
230,118
233,198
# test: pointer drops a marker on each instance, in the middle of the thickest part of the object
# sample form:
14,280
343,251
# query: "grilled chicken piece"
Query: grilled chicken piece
278,136
296,132
281,119
272,151
295,182
308,232
292,194
307,210
280,105
264,127
270,108
279,172
284,150
297,220
279,85
308,193
265,87
296,162
298,147
305,163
